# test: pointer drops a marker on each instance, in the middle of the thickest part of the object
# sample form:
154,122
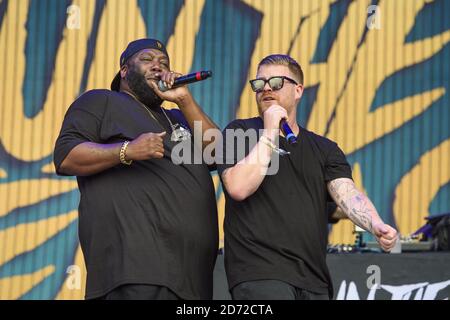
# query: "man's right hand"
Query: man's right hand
146,146
273,116
244,178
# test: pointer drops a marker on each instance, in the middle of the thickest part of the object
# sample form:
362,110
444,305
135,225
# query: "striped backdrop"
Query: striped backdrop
376,79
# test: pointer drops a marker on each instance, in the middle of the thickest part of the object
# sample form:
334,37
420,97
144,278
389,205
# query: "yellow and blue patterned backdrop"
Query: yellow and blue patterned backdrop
377,75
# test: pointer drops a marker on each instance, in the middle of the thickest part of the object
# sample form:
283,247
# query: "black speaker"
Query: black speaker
441,233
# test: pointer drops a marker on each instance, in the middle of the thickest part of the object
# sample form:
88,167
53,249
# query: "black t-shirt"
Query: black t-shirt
152,222
280,231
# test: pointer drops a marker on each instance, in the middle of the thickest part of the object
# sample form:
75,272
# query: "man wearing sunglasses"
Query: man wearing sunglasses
276,225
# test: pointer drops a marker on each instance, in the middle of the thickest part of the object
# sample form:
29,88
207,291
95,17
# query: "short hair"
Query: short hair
284,60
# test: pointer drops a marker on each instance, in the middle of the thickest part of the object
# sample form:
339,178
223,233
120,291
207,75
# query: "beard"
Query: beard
138,84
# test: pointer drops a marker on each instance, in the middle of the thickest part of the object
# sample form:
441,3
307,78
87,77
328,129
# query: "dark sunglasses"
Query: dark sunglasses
275,83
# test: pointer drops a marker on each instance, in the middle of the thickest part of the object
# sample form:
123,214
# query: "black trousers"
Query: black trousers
140,292
272,290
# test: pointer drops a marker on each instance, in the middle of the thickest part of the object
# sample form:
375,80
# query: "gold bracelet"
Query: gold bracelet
122,153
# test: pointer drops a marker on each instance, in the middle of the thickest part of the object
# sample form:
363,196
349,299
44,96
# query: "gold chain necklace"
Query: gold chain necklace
151,113
178,132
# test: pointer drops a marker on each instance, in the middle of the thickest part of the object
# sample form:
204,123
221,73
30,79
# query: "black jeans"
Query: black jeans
273,290
140,292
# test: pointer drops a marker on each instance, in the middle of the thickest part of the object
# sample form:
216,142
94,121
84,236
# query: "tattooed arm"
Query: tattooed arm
354,203
358,207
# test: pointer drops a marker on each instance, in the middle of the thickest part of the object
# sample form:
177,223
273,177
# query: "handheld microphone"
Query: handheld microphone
290,136
189,78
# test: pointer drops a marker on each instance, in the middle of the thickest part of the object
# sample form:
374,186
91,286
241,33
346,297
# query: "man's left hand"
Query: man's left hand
386,236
